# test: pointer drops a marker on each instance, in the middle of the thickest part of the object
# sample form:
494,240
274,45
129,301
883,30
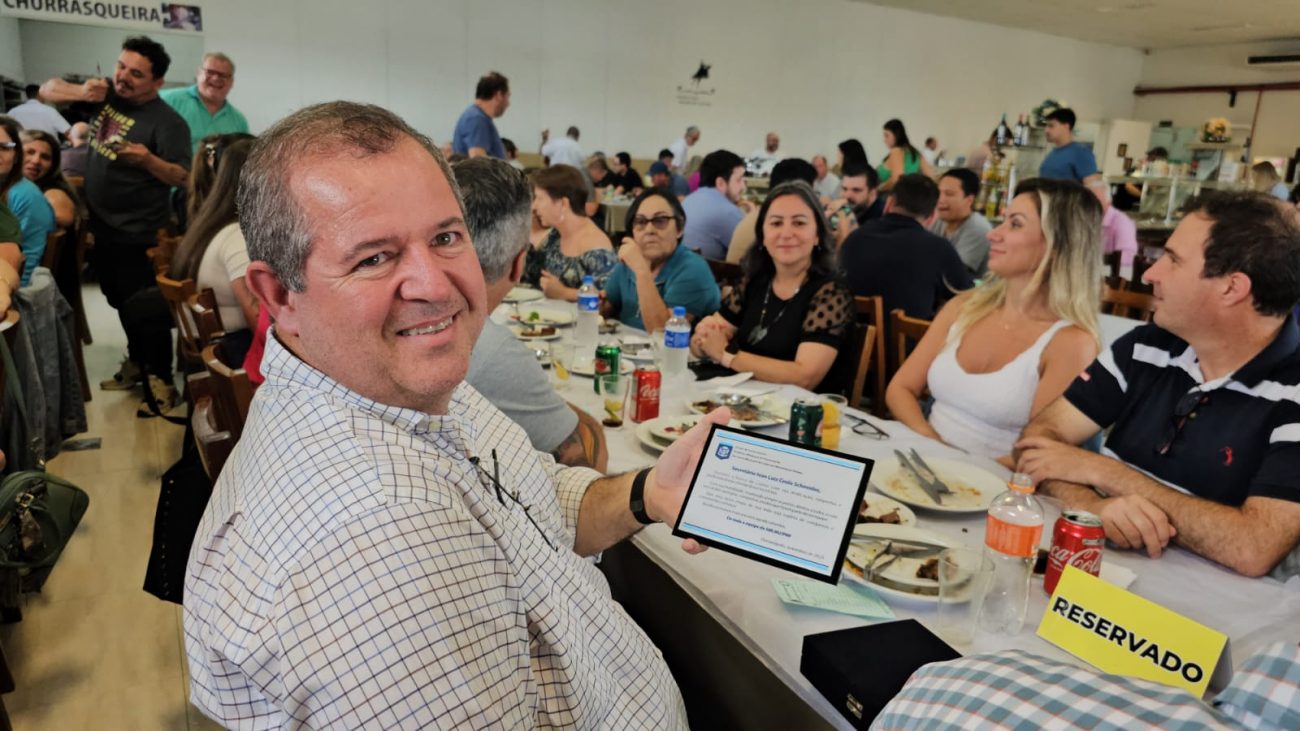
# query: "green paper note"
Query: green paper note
860,601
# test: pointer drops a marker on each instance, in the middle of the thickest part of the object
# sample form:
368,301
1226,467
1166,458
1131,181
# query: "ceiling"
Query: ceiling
1151,24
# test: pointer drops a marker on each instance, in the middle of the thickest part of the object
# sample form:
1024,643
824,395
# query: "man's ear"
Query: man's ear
516,272
274,296
1238,288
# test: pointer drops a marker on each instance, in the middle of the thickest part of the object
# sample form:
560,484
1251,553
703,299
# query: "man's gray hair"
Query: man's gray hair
498,211
220,57
692,129
274,224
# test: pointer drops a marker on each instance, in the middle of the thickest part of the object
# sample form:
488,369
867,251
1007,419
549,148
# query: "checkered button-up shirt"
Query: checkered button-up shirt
356,569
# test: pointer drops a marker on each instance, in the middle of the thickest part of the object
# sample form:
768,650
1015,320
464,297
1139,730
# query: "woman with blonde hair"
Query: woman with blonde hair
996,355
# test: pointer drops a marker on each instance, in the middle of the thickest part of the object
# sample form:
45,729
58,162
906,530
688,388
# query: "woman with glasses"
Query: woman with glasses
655,272
998,354
41,165
790,318
23,199
575,246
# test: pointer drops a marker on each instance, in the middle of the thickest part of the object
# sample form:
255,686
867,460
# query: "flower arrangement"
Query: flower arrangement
1040,112
1216,129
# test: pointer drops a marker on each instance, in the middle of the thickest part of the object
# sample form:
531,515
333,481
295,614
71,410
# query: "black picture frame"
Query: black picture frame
850,520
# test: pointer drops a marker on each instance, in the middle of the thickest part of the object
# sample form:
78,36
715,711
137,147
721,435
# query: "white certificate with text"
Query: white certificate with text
783,504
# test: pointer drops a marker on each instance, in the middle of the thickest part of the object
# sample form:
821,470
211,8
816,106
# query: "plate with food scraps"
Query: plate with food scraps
545,317
747,412
667,429
523,294
608,327
647,439
535,332
877,508
915,578
637,347
585,368
973,487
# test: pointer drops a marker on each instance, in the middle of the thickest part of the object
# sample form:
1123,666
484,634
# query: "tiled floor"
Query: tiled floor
93,649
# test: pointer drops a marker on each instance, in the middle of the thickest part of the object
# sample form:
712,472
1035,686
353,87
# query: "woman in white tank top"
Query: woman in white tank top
997,355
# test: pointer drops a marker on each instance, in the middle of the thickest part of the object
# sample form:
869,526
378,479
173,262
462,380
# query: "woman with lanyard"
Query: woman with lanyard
790,318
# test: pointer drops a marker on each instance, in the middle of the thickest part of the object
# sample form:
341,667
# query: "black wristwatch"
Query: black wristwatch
636,502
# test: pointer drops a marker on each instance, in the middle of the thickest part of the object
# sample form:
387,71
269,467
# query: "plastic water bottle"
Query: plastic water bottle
1012,532
584,337
677,343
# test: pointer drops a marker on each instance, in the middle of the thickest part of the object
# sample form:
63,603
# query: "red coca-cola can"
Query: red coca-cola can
646,404
1077,540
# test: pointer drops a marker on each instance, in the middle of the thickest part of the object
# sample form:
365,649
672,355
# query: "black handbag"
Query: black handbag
181,502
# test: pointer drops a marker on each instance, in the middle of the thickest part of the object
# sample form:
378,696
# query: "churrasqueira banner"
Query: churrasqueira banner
132,16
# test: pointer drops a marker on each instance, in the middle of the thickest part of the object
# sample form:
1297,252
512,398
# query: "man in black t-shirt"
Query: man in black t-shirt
1203,405
626,179
896,258
139,151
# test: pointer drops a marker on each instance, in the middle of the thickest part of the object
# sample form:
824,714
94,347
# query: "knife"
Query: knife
934,476
935,494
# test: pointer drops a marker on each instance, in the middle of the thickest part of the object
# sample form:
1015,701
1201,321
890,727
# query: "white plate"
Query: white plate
975,487
878,505
585,369
545,316
659,426
647,440
523,294
773,406
519,333
902,572
644,351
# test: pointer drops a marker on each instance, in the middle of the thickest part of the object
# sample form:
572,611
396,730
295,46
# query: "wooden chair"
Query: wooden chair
178,294
207,318
53,248
231,391
1122,303
592,435
727,274
214,443
871,357
908,331
1140,265
161,255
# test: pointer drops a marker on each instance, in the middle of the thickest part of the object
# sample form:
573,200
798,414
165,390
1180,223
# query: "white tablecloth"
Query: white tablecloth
738,594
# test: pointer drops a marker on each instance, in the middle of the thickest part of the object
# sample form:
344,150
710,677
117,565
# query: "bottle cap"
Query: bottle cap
588,279
679,312
1021,483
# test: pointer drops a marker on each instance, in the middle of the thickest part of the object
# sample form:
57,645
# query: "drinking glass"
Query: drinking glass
964,575
613,389
561,361
657,344
833,406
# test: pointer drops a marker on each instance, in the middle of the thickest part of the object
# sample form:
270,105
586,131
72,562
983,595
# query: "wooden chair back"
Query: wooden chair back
53,250
214,443
1111,262
592,435
726,274
908,331
1122,303
1141,264
161,255
232,392
178,294
869,336
207,318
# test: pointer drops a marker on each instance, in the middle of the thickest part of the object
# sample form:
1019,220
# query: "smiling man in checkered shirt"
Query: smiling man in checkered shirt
384,548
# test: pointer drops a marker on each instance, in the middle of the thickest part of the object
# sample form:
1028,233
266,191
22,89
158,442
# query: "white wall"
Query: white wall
1278,132
817,71
53,49
11,57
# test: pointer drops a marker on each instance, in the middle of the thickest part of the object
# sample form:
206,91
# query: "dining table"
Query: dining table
735,647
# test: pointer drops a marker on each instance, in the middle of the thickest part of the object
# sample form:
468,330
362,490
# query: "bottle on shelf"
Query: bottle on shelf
677,343
1018,135
585,332
1012,531
1003,133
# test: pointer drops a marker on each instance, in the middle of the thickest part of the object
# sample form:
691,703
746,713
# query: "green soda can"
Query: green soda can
806,421
608,354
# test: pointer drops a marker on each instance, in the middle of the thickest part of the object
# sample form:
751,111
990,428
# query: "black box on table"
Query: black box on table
860,670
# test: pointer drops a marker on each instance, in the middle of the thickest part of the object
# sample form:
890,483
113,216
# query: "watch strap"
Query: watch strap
636,501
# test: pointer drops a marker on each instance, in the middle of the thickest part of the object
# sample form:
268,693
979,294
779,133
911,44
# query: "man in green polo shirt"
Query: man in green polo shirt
203,105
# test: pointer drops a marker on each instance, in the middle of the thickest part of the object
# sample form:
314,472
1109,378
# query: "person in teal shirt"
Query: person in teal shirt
655,272
36,218
203,105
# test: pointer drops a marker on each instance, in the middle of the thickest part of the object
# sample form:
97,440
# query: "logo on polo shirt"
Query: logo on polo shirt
1227,456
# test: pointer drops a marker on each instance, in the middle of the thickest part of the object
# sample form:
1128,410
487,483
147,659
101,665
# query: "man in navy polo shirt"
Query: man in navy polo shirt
1204,404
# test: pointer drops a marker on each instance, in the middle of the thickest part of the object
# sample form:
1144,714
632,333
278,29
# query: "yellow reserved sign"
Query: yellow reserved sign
1122,633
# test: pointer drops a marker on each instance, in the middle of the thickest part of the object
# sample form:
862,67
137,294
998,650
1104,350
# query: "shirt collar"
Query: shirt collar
1284,346
284,369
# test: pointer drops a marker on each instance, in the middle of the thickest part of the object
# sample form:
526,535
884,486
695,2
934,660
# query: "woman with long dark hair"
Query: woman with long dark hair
42,164
903,158
851,151
790,318
214,255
